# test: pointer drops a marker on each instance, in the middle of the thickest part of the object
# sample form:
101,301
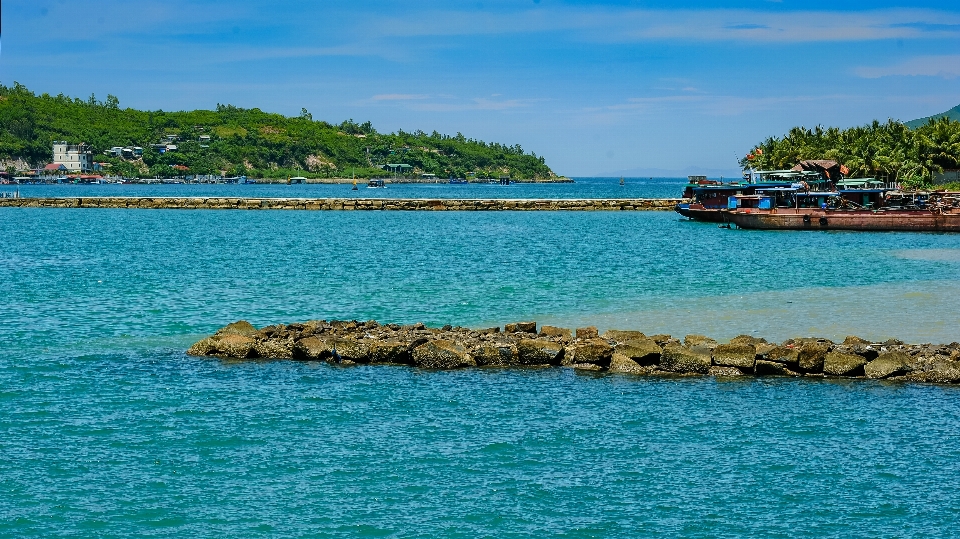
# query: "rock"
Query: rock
735,355
888,364
724,371
772,368
620,363
851,340
497,355
441,354
489,331
699,340
225,345
764,348
335,349
811,356
273,348
241,327
313,348
867,351
941,371
350,350
620,335
534,352
784,354
676,358
521,327
798,342
841,364
663,339
589,332
389,352
644,351
586,367
594,351
350,325
747,339
563,334
206,346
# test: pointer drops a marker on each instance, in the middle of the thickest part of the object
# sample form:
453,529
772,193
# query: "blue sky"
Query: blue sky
595,87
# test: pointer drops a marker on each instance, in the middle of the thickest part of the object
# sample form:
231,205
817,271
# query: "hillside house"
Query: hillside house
74,157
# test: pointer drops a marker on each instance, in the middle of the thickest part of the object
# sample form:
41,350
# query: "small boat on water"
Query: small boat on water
918,212
376,183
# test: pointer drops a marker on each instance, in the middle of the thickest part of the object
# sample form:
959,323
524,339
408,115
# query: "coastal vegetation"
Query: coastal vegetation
890,151
235,141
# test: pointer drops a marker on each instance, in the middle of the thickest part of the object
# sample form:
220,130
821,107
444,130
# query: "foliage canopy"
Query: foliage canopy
890,151
242,141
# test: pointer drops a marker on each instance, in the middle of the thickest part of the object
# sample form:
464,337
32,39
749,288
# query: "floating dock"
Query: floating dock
340,204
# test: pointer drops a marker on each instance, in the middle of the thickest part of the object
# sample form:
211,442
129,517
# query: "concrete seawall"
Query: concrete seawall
400,204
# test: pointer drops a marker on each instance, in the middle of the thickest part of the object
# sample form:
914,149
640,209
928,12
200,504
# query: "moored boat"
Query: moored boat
708,198
930,212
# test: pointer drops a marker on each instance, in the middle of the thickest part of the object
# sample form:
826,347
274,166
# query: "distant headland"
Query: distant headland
232,141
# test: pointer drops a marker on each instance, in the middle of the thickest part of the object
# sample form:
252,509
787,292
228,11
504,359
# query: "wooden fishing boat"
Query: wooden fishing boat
709,197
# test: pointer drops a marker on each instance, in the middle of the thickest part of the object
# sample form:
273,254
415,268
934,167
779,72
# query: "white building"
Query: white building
75,157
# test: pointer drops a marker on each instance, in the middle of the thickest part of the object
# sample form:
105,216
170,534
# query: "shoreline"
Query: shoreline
522,344
331,204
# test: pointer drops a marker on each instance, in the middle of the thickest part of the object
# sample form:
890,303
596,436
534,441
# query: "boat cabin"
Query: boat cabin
783,197
760,202
865,193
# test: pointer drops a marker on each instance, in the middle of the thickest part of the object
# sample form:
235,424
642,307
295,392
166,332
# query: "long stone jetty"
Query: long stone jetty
523,344
401,204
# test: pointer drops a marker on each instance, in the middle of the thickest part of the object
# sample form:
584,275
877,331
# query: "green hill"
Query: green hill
238,141
953,114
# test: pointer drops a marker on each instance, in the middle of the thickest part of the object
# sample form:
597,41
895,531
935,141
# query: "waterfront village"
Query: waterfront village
76,164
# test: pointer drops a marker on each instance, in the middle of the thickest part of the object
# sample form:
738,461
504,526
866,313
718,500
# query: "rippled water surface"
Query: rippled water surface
581,188
107,429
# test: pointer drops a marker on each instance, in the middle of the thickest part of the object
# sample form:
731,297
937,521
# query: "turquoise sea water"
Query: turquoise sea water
582,188
107,429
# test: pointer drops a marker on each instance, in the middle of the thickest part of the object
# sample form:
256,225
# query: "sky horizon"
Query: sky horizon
597,88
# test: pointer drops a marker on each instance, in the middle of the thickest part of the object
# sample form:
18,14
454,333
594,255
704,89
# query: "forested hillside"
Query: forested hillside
241,141
890,151
953,114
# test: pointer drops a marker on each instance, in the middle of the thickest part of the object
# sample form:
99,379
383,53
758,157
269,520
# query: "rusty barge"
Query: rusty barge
929,212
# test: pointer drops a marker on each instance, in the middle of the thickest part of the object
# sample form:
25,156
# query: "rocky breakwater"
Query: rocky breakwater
523,344
340,204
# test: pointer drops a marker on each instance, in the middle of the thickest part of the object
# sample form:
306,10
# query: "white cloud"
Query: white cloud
477,103
628,25
398,97
946,67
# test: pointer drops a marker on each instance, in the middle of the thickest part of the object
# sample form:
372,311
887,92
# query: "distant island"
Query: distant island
233,141
914,154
